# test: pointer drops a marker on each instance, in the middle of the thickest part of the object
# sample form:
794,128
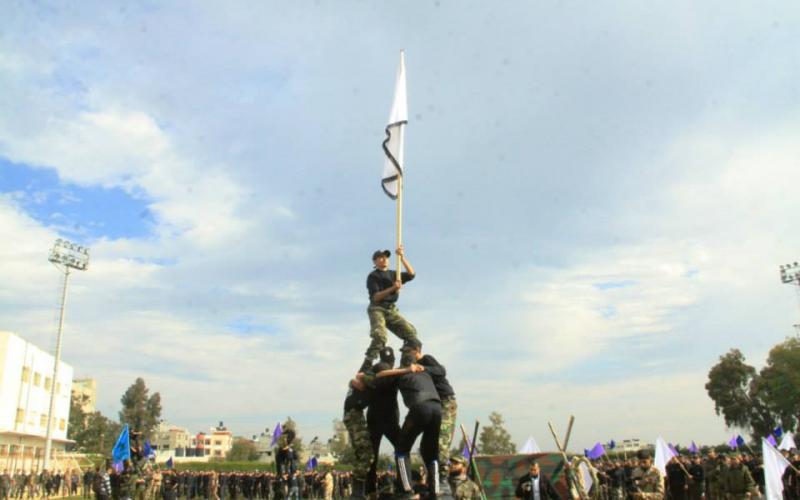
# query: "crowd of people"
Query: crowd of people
732,476
43,484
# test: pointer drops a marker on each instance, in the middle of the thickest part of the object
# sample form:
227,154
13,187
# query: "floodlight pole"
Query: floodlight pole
69,256
790,275
48,442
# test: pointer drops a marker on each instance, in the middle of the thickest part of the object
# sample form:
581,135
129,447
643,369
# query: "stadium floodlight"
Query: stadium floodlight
65,256
790,273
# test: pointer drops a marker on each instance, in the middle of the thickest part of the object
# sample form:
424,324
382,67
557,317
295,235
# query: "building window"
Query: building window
26,374
43,420
20,415
48,383
61,424
37,379
3,450
217,442
217,453
208,442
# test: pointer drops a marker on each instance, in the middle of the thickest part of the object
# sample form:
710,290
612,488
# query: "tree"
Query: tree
780,382
242,449
495,439
92,432
740,395
140,411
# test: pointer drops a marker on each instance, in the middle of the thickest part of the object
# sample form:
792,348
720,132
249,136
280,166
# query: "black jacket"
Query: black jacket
546,489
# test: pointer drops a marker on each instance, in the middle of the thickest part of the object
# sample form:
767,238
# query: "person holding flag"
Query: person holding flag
384,285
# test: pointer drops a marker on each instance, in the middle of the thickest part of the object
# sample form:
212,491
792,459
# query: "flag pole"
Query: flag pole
399,215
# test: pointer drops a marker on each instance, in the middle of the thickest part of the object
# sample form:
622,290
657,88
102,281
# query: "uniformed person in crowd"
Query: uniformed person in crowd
649,485
461,486
737,482
677,480
617,480
697,486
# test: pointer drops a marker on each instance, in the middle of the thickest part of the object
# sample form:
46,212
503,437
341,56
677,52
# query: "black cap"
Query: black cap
387,355
378,253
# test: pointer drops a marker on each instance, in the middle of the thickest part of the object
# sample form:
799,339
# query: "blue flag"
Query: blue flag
612,445
276,434
596,452
122,448
170,463
740,440
148,449
778,432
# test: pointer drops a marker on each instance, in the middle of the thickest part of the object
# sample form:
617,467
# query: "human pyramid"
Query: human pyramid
420,379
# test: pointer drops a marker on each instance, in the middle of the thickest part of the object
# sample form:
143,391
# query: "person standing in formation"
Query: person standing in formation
535,486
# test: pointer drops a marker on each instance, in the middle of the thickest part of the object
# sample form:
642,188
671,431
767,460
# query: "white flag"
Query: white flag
787,443
393,144
774,466
530,446
586,475
663,455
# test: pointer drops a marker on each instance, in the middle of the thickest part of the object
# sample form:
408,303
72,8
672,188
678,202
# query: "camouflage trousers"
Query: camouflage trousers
446,430
381,318
362,445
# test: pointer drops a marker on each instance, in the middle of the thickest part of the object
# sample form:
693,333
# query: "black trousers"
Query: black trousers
423,418
380,426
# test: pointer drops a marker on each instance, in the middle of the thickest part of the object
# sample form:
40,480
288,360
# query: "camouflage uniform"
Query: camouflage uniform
738,483
382,317
463,488
362,445
449,411
651,485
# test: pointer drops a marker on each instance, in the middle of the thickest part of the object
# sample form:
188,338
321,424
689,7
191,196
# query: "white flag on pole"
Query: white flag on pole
774,466
393,144
787,443
663,455
530,446
586,475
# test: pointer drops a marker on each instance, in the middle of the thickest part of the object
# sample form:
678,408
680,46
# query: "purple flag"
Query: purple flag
733,443
276,434
771,440
596,452
693,448
467,447
673,449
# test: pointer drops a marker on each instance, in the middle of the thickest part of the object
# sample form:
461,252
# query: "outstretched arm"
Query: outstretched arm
406,264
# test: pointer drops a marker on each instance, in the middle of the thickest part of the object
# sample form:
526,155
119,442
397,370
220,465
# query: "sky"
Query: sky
598,198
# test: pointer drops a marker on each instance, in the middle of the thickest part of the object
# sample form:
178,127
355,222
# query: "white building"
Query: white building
26,377
179,444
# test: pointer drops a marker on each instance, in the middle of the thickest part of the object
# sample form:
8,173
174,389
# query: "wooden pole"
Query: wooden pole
399,214
570,482
472,463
